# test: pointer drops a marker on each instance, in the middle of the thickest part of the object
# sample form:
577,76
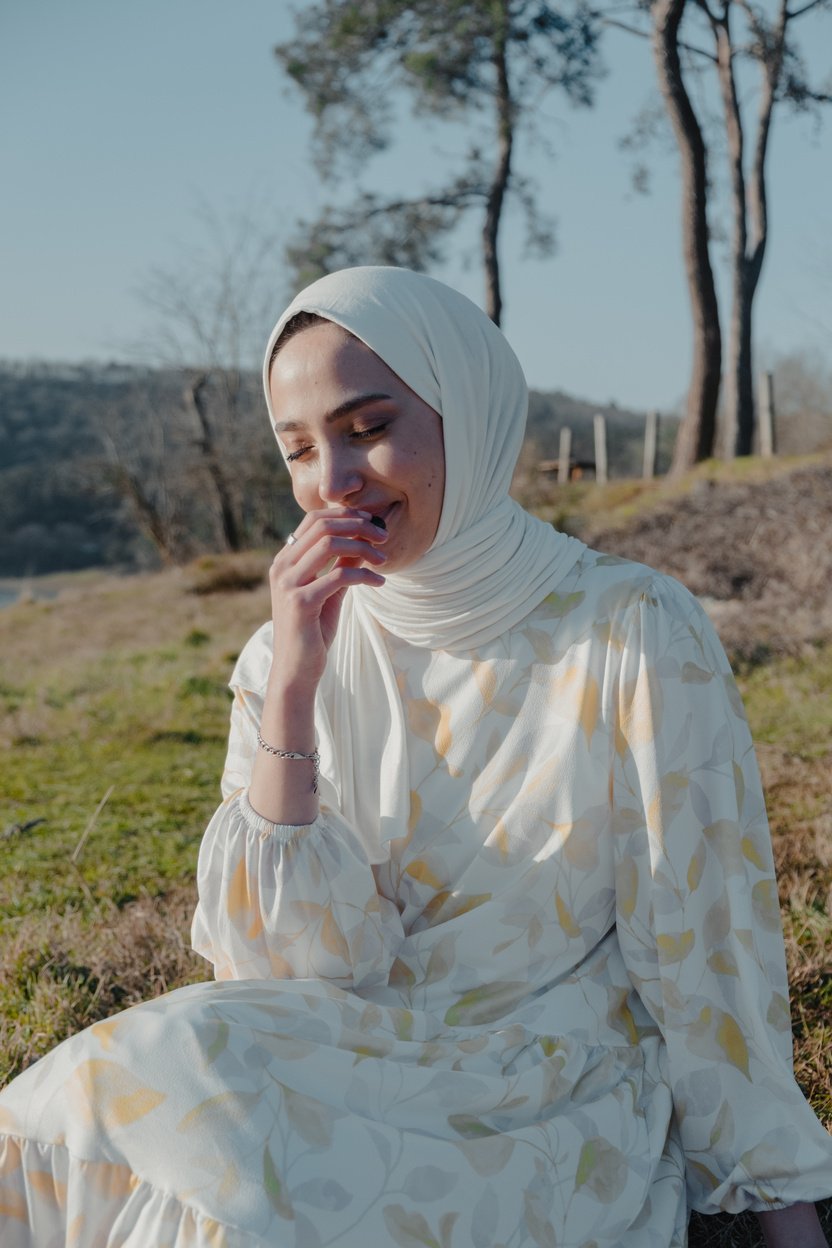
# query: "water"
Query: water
8,596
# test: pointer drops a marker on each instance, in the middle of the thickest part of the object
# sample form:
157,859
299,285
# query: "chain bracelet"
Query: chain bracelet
313,758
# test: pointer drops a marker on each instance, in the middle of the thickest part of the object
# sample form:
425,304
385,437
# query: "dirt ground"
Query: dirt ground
758,554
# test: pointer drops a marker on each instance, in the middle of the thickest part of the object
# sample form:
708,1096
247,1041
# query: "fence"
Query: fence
569,469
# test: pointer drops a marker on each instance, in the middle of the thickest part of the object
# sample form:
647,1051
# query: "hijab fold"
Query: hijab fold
489,565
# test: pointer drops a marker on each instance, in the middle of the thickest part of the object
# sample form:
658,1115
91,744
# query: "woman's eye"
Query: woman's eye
368,433
297,454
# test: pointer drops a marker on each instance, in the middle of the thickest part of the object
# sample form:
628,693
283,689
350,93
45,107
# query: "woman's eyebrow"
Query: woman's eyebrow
343,409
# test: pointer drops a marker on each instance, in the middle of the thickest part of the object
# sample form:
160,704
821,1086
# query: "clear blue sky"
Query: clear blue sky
119,120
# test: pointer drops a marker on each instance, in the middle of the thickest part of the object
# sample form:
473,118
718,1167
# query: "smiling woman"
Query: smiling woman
489,899
356,437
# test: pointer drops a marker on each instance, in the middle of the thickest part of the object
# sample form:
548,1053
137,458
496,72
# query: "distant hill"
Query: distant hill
550,412
57,512
60,509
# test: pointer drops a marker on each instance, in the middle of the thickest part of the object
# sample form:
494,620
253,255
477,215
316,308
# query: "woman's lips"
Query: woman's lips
380,517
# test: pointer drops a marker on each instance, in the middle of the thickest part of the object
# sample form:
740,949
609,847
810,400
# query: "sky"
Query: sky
124,124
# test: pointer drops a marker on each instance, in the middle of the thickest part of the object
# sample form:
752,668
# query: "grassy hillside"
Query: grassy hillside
118,686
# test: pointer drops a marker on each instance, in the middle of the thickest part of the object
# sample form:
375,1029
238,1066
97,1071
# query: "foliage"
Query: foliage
456,61
71,436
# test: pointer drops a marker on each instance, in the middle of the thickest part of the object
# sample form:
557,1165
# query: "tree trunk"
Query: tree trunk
150,519
695,439
496,195
747,262
195,403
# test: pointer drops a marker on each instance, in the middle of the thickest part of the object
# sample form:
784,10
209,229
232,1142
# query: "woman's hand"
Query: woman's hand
308,582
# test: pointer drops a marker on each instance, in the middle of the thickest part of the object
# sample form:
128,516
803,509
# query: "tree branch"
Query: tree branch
643,34
813,4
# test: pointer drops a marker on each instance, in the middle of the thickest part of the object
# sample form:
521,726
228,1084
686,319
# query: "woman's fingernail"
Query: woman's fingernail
365,515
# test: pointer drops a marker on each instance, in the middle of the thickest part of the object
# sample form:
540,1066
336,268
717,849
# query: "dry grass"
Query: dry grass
62,972
119,680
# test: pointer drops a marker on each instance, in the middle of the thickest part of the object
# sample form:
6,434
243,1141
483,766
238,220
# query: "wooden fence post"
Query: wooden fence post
650,431
600,449
564,454
765,415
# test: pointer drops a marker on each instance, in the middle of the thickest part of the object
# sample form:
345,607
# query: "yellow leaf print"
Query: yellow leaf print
332,938
13,1205
566,921
778,1014
750,851
500,837
432,722
642,708
733,1042
578,688
420,871
766,906
220,1113
241,902
110,1180
739,785
486,678
704,1173
603,1169
675,949
415,811
716,1036
580,844
723,963
103,1032
626,885
47,1188
697,866
668,801
8,1121
102,1092
724,839
408,1229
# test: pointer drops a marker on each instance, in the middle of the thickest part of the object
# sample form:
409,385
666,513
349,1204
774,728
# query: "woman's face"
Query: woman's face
357,436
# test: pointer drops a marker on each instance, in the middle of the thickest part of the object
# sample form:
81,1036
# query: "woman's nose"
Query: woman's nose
339,478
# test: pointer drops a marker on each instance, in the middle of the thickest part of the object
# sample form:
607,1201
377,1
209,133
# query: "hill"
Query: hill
67,433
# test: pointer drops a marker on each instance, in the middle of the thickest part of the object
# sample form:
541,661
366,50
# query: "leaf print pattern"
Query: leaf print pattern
557,1015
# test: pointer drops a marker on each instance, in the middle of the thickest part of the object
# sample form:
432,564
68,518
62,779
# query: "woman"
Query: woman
517,979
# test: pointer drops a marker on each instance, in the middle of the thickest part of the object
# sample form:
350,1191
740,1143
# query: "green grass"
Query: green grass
125,686
153,724
789,702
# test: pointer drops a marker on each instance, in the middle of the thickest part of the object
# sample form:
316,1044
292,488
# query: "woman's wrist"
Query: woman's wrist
283,790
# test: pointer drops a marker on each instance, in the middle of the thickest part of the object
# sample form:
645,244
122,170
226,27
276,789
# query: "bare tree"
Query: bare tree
724,36
212,315
459,59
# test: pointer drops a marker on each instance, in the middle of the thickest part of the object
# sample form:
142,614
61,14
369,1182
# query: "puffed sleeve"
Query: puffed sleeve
698,917
283,901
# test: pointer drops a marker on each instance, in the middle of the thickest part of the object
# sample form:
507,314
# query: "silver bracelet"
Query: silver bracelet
313,758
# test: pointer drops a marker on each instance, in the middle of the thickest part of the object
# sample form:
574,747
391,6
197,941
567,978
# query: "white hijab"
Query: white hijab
489,565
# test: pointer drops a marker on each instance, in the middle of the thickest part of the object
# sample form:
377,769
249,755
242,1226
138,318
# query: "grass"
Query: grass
581,506
122,683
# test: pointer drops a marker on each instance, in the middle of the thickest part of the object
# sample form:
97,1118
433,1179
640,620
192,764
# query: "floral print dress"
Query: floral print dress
557,1016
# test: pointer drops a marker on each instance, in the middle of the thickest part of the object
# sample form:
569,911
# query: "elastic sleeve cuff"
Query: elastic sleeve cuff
265,829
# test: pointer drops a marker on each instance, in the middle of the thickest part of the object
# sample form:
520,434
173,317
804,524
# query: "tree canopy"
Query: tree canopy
462,59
